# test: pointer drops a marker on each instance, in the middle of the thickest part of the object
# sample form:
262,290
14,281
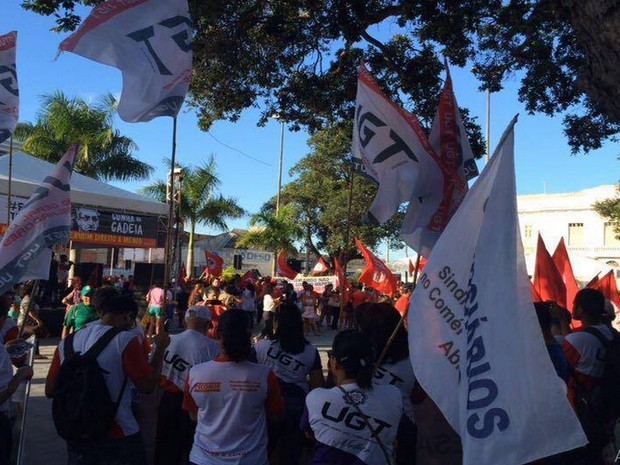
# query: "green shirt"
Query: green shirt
80,315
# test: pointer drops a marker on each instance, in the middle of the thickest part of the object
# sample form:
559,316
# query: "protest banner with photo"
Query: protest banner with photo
115,229
45,220
149,41
9,91
475,342
393,148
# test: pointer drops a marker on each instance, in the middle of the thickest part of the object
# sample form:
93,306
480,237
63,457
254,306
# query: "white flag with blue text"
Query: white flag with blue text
45,220
475,343
150,42
9,92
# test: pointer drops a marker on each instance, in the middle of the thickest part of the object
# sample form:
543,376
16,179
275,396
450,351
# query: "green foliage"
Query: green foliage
273,231
228,274
104,152
299,58
200,202
609,209
319,196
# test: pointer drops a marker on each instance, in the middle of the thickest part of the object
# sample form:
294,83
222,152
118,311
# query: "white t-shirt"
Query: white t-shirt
289,368
231,400
399,374
186,350
337,425
268,304
585,352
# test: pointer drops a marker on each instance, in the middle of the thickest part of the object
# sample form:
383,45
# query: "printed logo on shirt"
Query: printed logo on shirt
355,397
351,418
244,386
207,387
284,359
381,373
176,362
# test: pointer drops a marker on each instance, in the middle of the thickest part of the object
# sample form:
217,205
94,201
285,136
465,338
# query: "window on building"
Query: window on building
528,231
575,234
611,234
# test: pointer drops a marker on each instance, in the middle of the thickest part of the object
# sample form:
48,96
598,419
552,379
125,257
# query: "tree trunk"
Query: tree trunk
190,250
597,29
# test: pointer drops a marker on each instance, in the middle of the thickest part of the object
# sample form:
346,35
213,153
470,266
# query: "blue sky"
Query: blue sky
543,157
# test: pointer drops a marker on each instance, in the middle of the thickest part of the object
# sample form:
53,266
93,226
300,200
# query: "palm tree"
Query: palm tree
104,152
199,202
274,232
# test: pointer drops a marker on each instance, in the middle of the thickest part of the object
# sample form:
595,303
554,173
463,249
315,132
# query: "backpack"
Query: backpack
599,408
82,408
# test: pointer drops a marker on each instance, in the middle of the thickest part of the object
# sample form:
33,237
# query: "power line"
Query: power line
237,150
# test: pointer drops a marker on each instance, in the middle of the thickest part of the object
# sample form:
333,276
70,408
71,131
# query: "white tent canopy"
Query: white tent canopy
28,172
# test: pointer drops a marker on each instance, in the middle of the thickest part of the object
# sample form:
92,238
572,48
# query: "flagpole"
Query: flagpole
389,342
8,200
168,256
347,234
488,124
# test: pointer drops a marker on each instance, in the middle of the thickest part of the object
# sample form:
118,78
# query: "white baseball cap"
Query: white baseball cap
198,311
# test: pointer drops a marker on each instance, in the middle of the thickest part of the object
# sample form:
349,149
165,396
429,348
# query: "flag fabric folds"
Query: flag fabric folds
393,149
283,269
247,278
149,41
9,91
422,226
215,264
607,285
320,267
547,279
376,274
475,343
564,267
339,272
45,220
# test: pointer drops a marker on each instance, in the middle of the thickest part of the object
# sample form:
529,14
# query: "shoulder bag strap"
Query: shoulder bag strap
69,351
373,432
102,343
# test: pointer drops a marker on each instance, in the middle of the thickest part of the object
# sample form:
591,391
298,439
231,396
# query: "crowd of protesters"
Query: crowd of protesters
240,381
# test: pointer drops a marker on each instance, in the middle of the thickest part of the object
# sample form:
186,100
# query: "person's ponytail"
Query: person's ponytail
234,331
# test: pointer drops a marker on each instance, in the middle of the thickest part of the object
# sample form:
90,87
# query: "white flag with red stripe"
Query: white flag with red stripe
9,92
422,226
45,220
475,343
149,41
393,149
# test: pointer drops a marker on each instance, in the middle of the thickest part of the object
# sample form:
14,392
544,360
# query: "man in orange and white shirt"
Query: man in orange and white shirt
123,359
175,429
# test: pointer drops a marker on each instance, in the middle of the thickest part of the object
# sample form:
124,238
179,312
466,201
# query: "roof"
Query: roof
28,172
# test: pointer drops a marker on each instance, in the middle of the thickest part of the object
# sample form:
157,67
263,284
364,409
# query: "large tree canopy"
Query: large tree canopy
298,58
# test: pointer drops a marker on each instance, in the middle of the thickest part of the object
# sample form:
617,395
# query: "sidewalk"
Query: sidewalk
42,446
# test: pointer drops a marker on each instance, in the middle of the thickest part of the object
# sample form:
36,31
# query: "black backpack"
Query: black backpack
81,406
599,408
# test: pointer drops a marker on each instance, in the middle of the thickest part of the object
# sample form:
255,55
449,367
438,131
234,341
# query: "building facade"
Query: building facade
590,239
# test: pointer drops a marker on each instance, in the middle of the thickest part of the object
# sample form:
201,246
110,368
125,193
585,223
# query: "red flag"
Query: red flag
420,268
607,285
339,272
182,274
593,281
215,264
535,296
376,274
411,268
283,269
247,278
562,263
320,267
547,279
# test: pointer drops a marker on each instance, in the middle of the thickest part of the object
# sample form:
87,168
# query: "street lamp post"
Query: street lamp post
280,167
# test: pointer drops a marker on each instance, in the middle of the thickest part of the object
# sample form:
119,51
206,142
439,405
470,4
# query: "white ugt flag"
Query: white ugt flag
45,220
428,216
393,149
150,42
9,92
475,343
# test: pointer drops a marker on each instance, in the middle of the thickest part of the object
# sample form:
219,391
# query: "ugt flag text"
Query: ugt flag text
150,42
